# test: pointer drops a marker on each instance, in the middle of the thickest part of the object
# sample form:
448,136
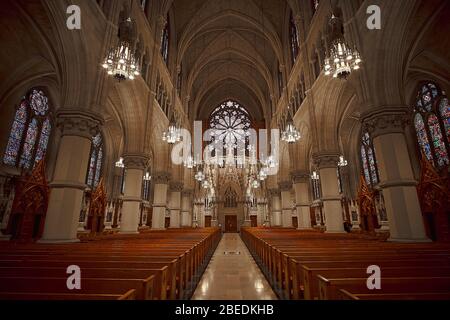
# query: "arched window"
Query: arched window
369,162
432,123
230,198
293,35
314,5
95,162
30,131
230,123
165,42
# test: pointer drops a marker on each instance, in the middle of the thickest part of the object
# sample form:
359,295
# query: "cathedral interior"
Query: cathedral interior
265,146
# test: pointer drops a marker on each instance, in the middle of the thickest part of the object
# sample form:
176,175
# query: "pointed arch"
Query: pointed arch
30,131
431,114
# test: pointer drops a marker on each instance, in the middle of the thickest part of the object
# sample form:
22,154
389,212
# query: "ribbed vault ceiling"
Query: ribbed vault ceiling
230,49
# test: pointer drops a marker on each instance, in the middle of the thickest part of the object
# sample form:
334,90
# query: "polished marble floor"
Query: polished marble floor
232,274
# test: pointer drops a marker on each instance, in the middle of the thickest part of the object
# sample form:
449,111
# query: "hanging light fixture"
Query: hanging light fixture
121,62
147,176
199,175
341,60
173,133
205,184
255,184
342,162
120,164
263,174
189,162
315,176
290,134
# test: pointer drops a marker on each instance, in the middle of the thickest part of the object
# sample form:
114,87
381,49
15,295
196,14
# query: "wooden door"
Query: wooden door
295,222
231,224
167,222
254,221
207,221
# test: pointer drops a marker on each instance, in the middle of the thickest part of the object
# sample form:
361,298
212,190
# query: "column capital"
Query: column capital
326,160
161,21
285,185
274,192
176,186
300,176
187,192
135,161
385,120
161,177
75,122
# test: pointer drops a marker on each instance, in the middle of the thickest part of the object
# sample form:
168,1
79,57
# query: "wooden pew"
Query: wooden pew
311,282
329,288
89,286
175,258
158,290
129,295
282,254
345,295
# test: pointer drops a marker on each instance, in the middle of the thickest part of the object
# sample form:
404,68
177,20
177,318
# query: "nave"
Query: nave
291,131
232,274
206,265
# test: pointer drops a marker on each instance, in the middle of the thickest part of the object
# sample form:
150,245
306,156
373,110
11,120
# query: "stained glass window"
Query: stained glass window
165,42
422,136
294,38
95,162
438,141
444,109
432,123
370,167
30,131
314,4
230,123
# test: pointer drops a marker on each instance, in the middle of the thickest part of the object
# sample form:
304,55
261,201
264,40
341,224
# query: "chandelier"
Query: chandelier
341,59
290,134
205,184
121,62
189,162
263,174
173,134
199,176
315,176
342,162
147,177
120,164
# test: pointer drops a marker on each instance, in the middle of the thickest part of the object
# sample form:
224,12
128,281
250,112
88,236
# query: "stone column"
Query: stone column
69,180
301,188
286,204
161,181
261,213
247,222
327,164
135,165
214,220
186,208
175,204
386,127
201,213
276,208
196,213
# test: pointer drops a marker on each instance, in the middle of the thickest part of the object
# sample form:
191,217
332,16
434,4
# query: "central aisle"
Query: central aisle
232,274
